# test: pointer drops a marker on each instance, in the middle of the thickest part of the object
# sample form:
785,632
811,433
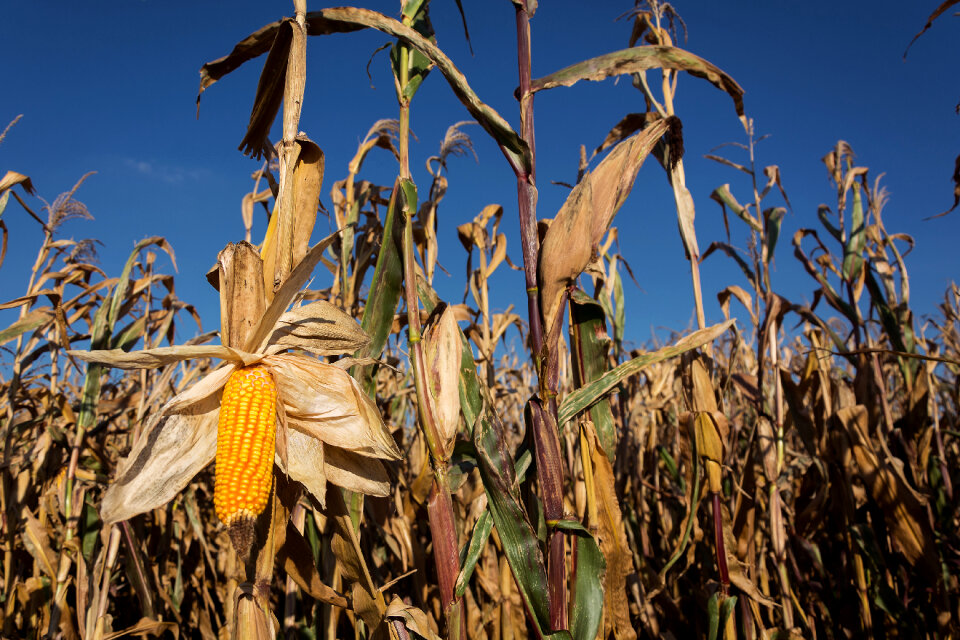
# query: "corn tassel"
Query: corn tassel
246,436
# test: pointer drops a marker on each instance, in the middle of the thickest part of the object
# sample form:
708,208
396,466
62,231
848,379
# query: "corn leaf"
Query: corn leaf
33,319
637,59
587,395
387,282
591,348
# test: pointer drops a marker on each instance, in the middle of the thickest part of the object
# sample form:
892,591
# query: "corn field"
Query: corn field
351,456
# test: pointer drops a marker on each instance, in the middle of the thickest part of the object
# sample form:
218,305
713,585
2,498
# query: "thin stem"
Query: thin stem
112,547
440,507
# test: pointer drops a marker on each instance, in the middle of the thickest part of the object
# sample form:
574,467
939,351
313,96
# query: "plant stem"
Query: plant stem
526,185
440,508
718,541
443,528
549,467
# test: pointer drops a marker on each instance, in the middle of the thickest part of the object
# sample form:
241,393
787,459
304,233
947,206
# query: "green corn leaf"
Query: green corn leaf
586,610
900,334
102,330
120,292
619,313
853,249
591,348
386,287
129,335
520,543
587,395
823,213
471,553
773,218
412,7
419,65
727,609
722,195
671,465
713,616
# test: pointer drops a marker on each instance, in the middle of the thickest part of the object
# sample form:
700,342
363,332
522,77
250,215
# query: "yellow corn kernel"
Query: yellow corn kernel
246,435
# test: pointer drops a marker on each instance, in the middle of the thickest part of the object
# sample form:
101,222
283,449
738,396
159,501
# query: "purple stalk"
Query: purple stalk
548,452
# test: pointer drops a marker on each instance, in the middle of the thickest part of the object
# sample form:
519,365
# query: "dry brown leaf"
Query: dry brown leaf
307,184
737,576
162,356
573,237
740,294
297,560
639,59
145,627
295,213
37,542
614,545
12,178
412,618
902,510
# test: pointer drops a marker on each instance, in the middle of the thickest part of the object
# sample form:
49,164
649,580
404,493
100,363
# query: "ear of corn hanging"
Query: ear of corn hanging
246,435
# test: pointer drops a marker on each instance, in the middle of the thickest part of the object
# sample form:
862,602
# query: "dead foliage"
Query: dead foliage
788,475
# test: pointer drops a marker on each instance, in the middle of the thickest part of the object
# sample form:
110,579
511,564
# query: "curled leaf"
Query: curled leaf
637,59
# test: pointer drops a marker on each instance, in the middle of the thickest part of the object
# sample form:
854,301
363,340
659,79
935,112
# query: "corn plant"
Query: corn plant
350,455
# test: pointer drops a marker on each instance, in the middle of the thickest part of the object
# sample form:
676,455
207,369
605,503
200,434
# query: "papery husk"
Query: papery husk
320,328
241,292
355,472
252,622
305,463
325,402
169,453
443,354
162,356
284,296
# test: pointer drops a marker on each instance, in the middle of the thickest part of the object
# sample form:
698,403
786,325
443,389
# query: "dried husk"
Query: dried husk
173,449
325,402
318,327
444,351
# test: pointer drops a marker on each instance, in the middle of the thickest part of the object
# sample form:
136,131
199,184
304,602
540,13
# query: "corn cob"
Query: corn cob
246,435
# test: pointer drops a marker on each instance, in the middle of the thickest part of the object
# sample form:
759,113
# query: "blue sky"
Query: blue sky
110,86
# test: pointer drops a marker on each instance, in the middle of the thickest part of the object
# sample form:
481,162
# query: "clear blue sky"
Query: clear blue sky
110,86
